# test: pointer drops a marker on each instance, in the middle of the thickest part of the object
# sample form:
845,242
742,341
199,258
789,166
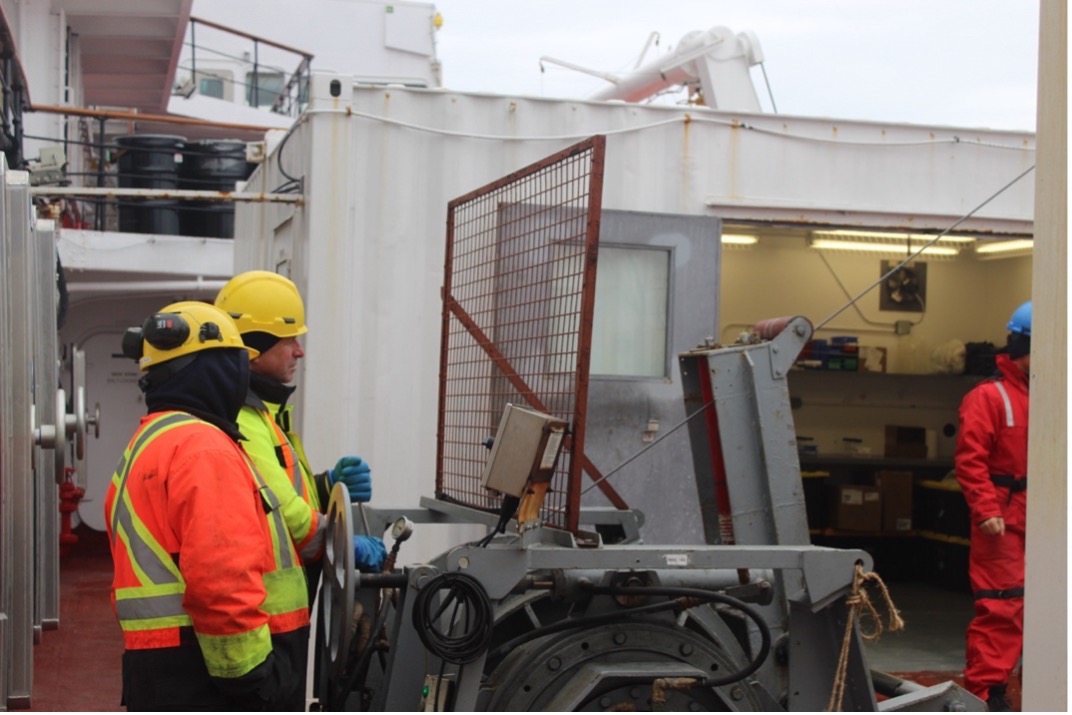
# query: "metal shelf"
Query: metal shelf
842,460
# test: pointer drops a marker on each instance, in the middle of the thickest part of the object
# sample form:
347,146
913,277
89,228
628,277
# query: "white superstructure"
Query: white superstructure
368,254
379,151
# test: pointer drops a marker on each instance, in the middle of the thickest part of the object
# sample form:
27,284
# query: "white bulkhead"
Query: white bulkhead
377,167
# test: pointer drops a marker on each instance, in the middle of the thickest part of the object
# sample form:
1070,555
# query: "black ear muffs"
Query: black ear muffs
166,331
132,344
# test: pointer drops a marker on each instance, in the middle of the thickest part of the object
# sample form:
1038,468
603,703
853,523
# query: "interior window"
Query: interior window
629,331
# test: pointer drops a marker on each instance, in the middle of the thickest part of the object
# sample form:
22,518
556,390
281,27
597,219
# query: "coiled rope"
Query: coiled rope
859,601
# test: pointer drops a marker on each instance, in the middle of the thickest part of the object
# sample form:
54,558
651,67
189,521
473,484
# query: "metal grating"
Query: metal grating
518,296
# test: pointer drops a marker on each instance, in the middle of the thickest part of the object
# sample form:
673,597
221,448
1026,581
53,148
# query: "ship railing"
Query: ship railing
262,84
93,192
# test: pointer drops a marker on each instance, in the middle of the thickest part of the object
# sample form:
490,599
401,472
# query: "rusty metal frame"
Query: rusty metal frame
518,300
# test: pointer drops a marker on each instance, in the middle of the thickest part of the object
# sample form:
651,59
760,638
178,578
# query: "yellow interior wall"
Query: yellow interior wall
967,299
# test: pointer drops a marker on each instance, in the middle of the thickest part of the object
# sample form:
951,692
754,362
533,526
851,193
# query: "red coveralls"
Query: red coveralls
991,466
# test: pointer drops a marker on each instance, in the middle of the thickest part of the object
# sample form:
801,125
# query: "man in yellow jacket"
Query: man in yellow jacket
207,585
270,315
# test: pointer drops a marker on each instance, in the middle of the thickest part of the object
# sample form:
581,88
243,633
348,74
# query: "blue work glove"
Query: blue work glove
356,474
369,553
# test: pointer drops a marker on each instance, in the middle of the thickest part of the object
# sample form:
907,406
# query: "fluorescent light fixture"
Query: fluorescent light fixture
892,236
879,247
739,239
1023,245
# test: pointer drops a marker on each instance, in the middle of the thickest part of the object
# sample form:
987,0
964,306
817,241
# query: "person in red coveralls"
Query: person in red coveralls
991,466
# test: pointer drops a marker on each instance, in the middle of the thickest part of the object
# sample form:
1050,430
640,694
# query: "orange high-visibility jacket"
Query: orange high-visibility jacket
198,541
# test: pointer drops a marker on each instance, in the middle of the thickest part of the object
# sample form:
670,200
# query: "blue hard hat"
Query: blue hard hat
1020,322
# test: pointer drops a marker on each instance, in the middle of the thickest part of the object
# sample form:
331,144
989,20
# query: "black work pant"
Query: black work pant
170,679
176,679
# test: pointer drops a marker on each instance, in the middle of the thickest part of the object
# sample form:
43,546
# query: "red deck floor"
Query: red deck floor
79,665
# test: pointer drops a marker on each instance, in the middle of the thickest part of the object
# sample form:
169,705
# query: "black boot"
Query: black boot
995,700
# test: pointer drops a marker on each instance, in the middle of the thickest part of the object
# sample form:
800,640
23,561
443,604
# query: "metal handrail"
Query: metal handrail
99,194
293,83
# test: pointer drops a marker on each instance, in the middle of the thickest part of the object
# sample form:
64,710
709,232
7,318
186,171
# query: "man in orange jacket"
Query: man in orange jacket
207,585
991,466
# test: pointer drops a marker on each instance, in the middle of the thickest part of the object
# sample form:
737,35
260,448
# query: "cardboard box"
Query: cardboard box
857,508
906,442
896,490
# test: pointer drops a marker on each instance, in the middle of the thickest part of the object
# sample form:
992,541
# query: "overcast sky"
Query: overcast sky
965,63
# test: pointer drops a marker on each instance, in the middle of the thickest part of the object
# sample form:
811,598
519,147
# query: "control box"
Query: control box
527,445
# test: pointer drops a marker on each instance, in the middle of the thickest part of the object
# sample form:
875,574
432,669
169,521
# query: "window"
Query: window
268,86
215,82
629,331
211,87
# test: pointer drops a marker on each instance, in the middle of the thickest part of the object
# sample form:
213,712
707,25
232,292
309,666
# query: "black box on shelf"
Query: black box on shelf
816,499
940,508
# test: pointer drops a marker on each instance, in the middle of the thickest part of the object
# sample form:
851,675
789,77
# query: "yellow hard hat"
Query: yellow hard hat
182,329
263,302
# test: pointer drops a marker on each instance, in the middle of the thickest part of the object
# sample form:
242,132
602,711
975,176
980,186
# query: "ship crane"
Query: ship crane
717,60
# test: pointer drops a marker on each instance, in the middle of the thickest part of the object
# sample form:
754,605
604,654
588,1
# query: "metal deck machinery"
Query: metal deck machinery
545,612
539,618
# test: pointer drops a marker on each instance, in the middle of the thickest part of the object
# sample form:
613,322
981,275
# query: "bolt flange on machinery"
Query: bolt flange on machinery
536,618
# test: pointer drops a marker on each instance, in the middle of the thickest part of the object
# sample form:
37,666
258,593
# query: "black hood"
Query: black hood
212,387
270,389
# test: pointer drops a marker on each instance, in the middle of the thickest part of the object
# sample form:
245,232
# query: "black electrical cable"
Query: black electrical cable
293,183
674,591
618,616
464,594
582,622
506,511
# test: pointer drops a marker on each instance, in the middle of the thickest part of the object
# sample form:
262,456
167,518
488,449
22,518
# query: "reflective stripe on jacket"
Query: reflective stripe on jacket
279,465
284,418
191,546
287,603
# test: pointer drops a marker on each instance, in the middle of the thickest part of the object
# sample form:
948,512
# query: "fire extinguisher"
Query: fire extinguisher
70,495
